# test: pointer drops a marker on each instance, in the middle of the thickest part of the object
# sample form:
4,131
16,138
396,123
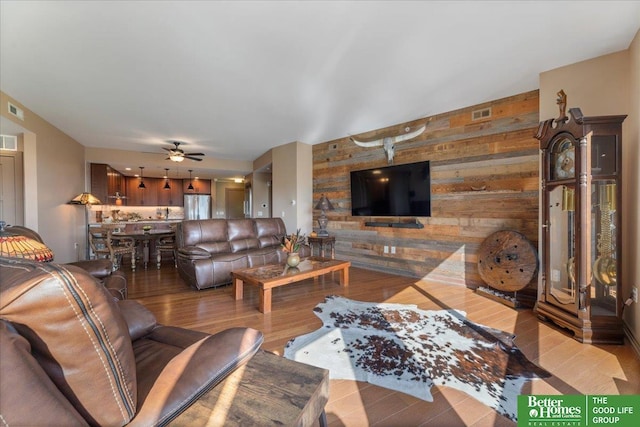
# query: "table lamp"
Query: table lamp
18,246
86,199
324,205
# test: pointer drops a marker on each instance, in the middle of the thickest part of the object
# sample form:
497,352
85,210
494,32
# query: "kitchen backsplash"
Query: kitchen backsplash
136,212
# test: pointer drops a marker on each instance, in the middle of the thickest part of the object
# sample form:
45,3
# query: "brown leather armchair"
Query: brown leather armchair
101,269
70,354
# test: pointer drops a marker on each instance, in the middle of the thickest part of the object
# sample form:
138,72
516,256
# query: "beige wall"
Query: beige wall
261,182
264,161
219,198
610,85
292,185
54,168
631,189
261,187
598,86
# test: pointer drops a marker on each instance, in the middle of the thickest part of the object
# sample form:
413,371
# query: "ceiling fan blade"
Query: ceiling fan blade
194,154
168,149
193,158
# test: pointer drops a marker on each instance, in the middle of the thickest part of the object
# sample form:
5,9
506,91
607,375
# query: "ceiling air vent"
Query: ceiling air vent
16,111
484,113
9,142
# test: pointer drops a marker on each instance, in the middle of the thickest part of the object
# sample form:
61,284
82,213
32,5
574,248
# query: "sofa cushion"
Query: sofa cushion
197,231
243,245
215,271
258,257
270,231
216,247
242,234
41,300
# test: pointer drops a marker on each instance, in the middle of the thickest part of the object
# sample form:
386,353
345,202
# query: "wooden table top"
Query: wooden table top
151,234
273,275
268,390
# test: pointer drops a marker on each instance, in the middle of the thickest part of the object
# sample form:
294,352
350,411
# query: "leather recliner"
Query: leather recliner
71,354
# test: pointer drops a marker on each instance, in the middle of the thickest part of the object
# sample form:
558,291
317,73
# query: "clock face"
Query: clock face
564,159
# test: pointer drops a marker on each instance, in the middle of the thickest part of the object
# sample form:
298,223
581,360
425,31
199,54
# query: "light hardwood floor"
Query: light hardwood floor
576,368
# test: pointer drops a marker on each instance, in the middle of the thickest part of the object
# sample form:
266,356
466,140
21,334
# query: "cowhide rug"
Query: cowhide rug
407,349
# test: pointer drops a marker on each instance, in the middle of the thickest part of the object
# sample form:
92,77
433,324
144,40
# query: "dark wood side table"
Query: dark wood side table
323,243
268,390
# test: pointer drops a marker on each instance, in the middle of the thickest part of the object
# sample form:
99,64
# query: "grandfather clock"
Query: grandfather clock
581,238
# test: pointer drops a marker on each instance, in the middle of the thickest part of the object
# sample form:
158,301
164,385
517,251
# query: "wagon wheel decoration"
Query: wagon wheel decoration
507,261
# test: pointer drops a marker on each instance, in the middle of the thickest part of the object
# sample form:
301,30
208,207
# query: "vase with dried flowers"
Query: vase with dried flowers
291,245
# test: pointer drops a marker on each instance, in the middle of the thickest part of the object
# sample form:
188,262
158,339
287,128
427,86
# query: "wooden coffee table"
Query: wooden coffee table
268,391
271,276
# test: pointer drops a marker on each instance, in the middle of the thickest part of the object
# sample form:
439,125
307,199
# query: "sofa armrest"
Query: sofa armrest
166,390
139,320
116,283
99,268
305,250
193,252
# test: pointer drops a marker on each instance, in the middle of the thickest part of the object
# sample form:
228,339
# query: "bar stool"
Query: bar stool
105,244
167,244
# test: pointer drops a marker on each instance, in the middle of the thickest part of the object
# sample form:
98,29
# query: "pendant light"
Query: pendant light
141,185
166,179
190,187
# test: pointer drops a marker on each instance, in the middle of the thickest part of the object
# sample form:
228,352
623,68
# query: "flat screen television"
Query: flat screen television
398,190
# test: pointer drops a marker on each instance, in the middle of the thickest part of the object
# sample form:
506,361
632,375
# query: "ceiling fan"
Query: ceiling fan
176,154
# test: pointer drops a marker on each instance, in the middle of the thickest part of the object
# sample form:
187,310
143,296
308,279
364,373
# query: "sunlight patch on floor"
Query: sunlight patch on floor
448,271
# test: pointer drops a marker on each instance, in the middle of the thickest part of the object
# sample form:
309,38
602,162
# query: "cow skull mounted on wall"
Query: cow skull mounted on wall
389,143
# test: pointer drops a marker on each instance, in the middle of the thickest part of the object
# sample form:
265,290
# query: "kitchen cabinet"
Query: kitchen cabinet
142,196
107,184
200,186
173,196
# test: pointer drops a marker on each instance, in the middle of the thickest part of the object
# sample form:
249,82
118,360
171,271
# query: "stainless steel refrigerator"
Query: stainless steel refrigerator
197,206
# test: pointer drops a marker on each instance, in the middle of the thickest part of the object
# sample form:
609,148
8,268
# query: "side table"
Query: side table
268,390
323,243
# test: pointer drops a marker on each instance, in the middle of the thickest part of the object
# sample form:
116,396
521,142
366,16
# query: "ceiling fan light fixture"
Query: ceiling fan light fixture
118,196
176,154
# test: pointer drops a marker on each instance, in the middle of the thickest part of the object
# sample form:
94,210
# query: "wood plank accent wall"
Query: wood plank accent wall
499,153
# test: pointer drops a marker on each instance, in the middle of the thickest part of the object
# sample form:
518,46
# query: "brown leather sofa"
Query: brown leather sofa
210,249
101,269
72,355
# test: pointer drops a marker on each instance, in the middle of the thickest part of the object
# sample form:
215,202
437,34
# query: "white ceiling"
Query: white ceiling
234,79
